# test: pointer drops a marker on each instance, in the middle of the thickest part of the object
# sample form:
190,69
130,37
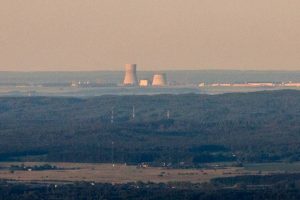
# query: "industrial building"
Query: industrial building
144,83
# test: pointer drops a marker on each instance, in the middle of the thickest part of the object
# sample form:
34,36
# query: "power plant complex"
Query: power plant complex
158,80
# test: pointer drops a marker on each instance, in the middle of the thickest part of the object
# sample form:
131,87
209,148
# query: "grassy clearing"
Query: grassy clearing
106,173
117,174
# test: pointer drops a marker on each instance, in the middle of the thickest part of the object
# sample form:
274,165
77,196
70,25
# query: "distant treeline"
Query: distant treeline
22,167
241,127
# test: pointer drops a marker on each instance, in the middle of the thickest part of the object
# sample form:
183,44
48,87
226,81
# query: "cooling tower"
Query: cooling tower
130,75
159,80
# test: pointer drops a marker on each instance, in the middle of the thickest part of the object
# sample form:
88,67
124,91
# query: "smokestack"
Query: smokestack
159,79
130,75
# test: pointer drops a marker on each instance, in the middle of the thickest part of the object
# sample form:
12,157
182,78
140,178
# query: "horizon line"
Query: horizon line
147,70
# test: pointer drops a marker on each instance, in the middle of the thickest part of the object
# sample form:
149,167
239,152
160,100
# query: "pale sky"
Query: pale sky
50,35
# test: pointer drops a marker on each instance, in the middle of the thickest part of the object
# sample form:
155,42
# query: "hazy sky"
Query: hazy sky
155,34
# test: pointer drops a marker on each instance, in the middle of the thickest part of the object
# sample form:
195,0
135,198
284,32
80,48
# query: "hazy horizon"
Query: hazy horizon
147,70
91,35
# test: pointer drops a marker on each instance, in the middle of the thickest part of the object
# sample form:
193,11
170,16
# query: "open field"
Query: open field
106,173
118,174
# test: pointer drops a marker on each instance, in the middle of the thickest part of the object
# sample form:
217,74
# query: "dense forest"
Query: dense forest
190,128
272,187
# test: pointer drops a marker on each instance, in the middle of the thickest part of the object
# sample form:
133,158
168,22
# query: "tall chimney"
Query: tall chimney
130,75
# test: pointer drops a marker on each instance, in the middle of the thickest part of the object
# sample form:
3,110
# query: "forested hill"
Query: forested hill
260,126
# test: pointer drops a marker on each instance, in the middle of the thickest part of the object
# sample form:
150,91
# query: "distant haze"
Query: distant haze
55,35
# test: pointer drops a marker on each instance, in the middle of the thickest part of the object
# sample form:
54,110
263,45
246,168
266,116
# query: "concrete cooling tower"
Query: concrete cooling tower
130,75
159,80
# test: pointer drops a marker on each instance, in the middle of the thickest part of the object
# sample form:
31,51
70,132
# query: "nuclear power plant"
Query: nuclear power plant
130,75
158,80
